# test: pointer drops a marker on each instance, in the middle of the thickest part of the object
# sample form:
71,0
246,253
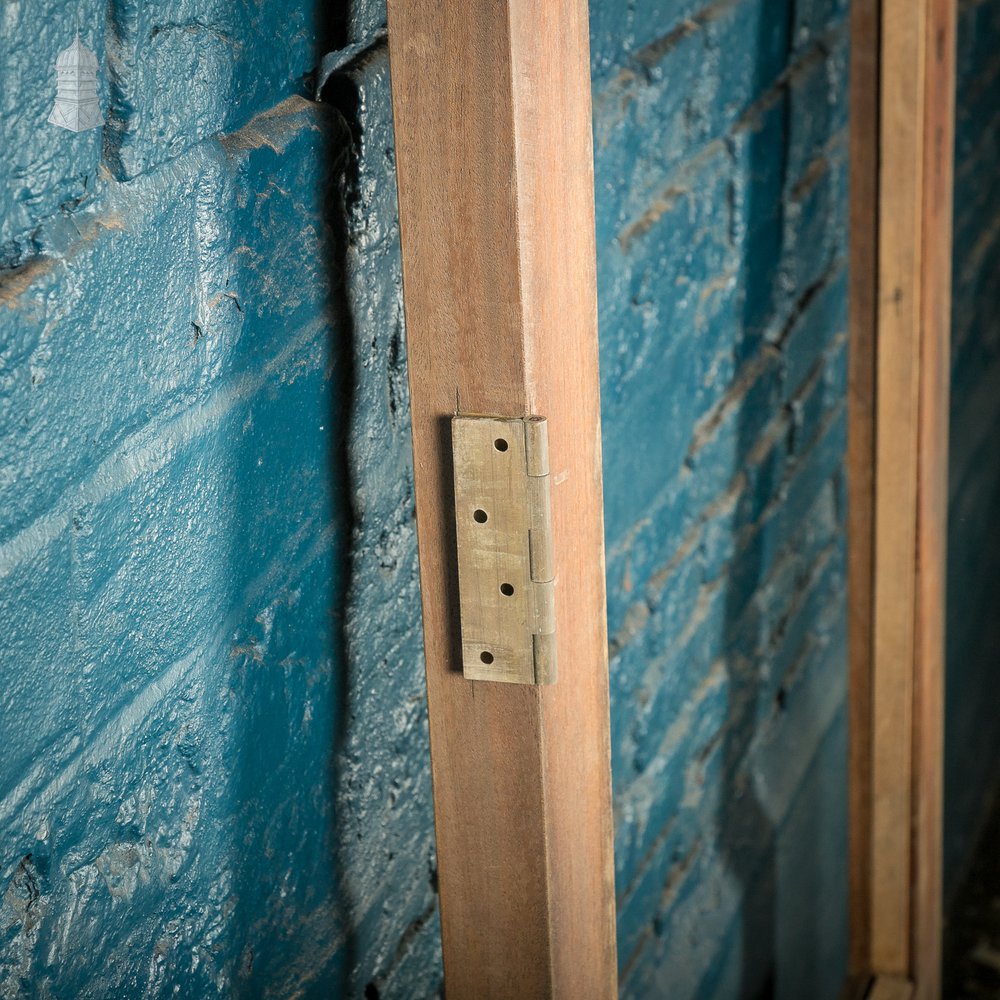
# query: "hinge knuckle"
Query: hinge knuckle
536,446
544,656
544,606
540,530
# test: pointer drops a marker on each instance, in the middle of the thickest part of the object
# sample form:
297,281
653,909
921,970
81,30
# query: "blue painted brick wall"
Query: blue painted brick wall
721,143
972,733
215,779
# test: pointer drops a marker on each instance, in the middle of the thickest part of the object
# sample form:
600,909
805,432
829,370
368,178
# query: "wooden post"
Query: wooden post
900,320
491,101
900,242
932,497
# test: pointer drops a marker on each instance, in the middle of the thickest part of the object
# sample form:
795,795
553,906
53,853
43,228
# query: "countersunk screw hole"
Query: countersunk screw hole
500,444
480,516
486,656
507,589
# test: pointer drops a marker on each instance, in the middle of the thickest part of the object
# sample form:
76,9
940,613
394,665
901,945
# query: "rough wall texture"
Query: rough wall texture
215,778
720,136
972,738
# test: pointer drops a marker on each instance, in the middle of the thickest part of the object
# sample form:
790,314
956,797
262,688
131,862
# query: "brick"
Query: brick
189,69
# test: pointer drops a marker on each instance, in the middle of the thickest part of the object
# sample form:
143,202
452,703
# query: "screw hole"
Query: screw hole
480,516
507,589
500,444
486,656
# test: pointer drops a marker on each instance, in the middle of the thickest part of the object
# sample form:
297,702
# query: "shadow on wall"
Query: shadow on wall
723,399
340,187
781,926
972,729
747,834
295,671
373,931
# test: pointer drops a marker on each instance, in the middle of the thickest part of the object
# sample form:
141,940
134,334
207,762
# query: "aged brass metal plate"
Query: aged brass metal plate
505,566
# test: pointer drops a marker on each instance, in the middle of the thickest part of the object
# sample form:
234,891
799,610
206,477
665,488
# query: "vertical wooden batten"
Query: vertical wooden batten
491,102
902,153
932,497
900,242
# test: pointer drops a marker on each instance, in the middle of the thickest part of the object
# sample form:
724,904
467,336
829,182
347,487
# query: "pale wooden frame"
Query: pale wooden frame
902,107
492,112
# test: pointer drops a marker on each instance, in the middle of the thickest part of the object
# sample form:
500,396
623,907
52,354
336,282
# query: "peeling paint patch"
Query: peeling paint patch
273,128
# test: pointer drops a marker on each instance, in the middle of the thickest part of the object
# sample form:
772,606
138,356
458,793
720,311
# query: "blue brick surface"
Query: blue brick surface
721,178
216,780
216,776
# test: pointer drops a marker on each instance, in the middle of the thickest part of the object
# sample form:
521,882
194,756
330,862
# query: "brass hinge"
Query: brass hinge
506,575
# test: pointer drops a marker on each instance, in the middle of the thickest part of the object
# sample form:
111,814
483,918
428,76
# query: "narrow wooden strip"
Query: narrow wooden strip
891,988
865,18
902,96
555,183
932,522
491,101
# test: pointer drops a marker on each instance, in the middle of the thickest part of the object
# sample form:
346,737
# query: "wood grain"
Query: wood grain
932,498
900,318
491,103
902,92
